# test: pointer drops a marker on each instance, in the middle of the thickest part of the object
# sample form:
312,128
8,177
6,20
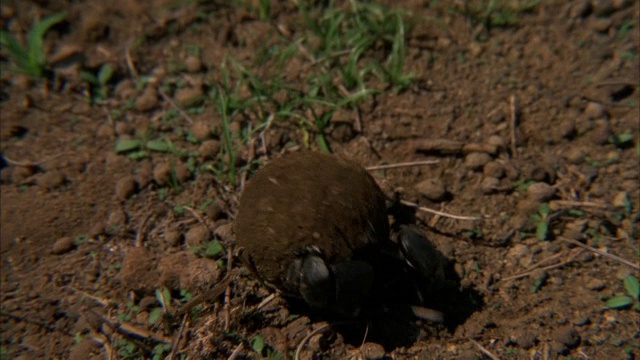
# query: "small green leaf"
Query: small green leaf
542,230
158,145
105,73
619,302
127,145
213,248
155,315
88,77
632,286
257,343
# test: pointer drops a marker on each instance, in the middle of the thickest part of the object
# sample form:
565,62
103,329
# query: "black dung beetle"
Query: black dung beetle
315,226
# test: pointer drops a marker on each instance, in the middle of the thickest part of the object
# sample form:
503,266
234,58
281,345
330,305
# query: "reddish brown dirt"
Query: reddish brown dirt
517,115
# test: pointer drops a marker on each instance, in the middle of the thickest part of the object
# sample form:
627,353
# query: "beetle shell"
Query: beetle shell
308,200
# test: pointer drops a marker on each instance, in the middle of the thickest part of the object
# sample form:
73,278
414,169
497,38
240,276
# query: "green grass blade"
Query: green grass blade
35,46
14,47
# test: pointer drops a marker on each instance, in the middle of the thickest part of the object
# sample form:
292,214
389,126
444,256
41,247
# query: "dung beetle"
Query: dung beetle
316,227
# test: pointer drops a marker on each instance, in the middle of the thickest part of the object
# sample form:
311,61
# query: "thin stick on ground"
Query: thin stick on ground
436,212
569,259
600,252
309,336
28,163
484,350
401,165
512,124
175,106
236,352
227,292
176,340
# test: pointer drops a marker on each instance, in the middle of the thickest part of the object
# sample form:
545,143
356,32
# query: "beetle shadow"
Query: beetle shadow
390,311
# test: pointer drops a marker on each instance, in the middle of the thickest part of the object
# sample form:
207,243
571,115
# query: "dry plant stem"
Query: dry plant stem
485,351
401,165
127,329
175,106
578,203
266,301
512,123
436,212
100,301
227,292
570,259
31,163
309,336
140,235
236,352
600,252
176,340
209,294
447,146
130,64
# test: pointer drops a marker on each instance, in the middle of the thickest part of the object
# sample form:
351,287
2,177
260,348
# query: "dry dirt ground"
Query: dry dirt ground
118,197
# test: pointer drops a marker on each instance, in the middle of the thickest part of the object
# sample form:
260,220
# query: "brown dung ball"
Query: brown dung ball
305,200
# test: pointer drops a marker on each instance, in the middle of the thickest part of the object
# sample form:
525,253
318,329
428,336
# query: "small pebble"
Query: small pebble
105,131
189,96
581,321
540,192
432,189
373,351
594,110
209,149
214,211
193,64
197,235
476,160
147,100
224,232
52,179
621,200
567,336
126,187
172,237
596,284
493,169
574,155
496,141
182,172
63,245
201,130
147,302
117,219
162,174
96,230
489,184
600,133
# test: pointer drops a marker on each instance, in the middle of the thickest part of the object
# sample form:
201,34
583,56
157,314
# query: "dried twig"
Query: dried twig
227,292
140,235
236,352
28,163
401,165
175,106
570,203
130,64
512,124
176,340
569,259
214,292
265,301
309,336
600,252
484,350
436,212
